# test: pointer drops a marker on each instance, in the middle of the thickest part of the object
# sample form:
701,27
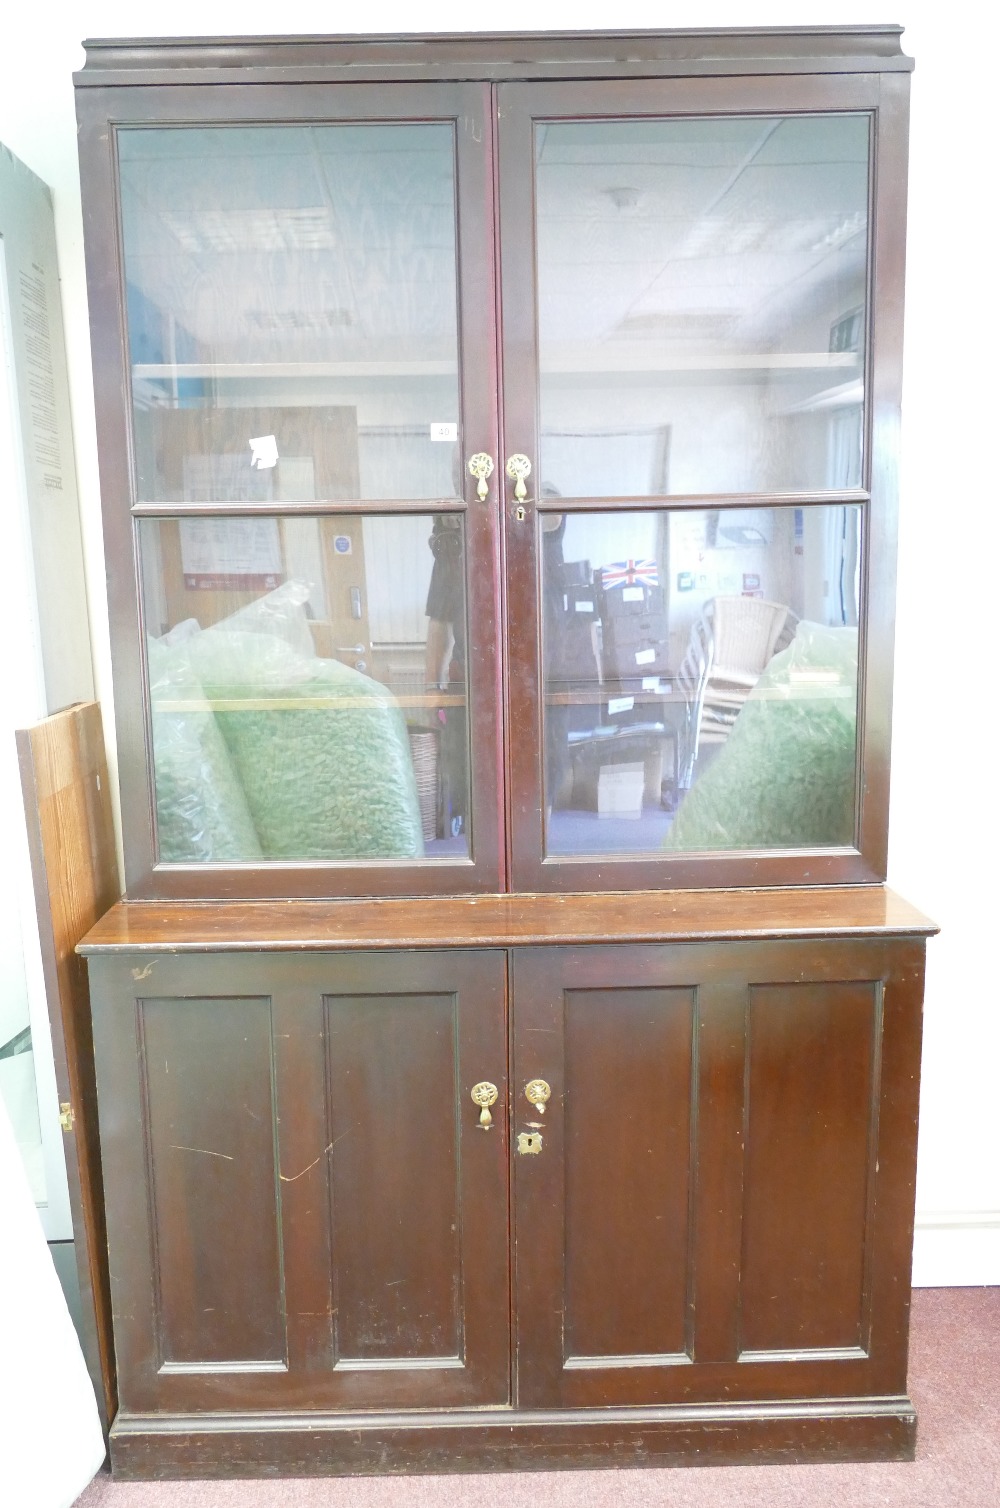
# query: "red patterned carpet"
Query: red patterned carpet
954,1382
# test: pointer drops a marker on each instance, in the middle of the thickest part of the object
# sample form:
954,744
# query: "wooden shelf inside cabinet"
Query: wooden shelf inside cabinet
596,695
420,702
599,360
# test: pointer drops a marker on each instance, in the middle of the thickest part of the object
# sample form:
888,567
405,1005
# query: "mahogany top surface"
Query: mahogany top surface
503,920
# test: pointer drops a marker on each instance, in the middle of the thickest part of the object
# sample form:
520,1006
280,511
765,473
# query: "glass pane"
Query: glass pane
701,303
700,673
308,686
292,311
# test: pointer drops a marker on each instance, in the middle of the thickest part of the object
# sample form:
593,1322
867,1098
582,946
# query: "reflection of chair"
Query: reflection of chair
730,644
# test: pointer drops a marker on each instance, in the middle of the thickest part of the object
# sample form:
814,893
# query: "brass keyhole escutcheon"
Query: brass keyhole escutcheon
529,1143
537,1093
484,1095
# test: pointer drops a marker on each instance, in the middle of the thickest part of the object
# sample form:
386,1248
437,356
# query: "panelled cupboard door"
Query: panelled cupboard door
292,290
717,1197
303,1208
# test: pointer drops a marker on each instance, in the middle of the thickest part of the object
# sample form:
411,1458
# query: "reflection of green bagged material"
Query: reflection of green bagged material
332,780
201,812
785,776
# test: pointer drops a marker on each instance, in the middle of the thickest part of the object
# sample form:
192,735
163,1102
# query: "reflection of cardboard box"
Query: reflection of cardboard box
596,764
619,790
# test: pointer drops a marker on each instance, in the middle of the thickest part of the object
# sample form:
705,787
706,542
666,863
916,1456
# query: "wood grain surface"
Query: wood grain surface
67,803
505,920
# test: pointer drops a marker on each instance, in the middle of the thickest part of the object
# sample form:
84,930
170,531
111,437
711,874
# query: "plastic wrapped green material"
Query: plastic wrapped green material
785,777
326,767
201,812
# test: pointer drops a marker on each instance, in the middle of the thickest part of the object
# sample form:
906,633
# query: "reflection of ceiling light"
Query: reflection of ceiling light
299,319
699,325
852,226
223,230
745,526
622,198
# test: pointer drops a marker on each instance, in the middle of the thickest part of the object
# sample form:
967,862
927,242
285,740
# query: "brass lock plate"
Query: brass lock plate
529,1143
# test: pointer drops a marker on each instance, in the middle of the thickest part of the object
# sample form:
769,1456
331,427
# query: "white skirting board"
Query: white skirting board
956,1249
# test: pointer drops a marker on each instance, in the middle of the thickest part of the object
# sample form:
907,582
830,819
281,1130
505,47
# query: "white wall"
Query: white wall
944,826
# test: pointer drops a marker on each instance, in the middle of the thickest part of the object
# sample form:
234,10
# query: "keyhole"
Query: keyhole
520,514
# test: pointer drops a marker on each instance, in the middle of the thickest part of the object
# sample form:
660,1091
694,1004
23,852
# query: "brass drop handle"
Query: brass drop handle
485,1095
519,467
538,1093
481,467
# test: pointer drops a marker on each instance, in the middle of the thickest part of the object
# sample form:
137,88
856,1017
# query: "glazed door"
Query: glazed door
305,339
304,1209
690,363
718,1191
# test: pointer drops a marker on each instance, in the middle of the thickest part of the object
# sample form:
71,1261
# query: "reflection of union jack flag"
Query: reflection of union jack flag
630,573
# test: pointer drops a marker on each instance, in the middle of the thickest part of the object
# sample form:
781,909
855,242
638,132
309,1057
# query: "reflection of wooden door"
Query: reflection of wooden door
305,1209
203,455
345,635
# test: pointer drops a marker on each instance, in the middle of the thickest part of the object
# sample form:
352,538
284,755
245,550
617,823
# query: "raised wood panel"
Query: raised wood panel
207,1073
604,1253
417,1190
812,1074
395,1175
627,1109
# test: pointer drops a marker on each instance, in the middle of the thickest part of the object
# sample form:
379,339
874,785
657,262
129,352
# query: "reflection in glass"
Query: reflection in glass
700,679
701,302
308,686
293,286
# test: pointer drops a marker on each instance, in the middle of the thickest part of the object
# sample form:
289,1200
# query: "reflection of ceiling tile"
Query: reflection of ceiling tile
295,242
225,230
715,231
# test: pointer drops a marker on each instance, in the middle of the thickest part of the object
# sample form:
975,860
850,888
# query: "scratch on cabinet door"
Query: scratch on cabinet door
205,1150
292,1177
142,973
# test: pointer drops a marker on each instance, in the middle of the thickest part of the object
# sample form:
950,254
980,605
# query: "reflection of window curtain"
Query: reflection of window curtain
841,565
844,448
842,553
398,565
402,462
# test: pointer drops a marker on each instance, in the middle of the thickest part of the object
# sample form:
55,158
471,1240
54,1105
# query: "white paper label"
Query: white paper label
645,656
444,431
633,594
651,683
585,607
620,704
264,452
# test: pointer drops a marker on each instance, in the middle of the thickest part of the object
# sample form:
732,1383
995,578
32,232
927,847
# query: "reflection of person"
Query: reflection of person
445,662
556,718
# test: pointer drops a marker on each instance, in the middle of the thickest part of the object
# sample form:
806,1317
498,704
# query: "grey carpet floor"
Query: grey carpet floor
954,1382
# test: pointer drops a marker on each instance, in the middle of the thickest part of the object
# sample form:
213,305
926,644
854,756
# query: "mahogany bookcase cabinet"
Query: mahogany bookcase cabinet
507,1049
